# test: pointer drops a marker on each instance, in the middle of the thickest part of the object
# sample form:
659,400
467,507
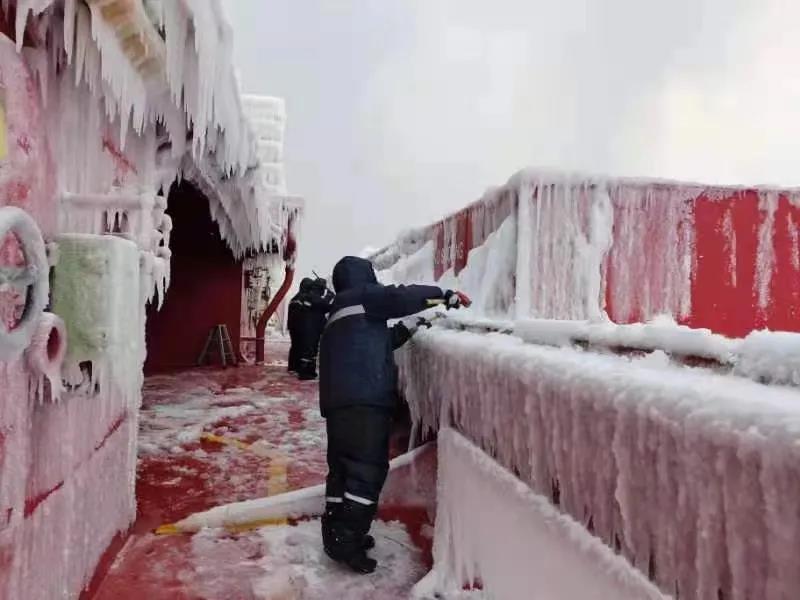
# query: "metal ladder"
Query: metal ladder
220,335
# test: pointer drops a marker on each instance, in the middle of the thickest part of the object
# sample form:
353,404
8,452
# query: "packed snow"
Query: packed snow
290,563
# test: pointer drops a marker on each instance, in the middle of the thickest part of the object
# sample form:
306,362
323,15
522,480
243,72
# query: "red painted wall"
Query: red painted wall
206,286
720,302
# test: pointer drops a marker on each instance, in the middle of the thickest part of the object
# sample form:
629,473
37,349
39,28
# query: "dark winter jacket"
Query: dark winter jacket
356,363
308,310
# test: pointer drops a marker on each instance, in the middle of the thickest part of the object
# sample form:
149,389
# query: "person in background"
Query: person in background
357,398
294,316
306,320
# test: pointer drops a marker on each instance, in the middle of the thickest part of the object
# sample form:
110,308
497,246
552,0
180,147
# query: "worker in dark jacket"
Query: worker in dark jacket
292,321
307,314
357,398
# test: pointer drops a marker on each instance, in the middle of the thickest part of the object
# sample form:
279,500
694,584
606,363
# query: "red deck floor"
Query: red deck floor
179,473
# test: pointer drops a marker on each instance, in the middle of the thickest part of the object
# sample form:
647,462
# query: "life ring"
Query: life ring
32,280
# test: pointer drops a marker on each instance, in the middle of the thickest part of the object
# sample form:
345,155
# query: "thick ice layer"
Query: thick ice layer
70,527
292,565
693,476
660,334
133,105
27,280
488,277
96,292
589,247
772,357
415,268
45,357
521,547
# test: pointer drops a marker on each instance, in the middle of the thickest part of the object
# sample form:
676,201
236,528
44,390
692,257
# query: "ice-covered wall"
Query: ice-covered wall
67,455
726,259
98,116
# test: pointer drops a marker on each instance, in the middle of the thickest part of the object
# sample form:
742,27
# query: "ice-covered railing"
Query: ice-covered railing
692,476
140,218
764,356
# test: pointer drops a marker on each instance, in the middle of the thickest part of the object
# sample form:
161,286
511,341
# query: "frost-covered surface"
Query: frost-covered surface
488,277
694,476
27,178
148,110
45,357
268,118
274,416
525,549
763,356
589,247
293,565
24,285
96,291
66,487
305,502
770,356
72,527
101,115
660,334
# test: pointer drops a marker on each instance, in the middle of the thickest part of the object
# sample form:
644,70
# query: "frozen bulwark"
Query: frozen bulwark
540,554
691,476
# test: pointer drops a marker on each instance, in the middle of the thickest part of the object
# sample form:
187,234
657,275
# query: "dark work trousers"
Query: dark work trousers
294,359
305,345
358,453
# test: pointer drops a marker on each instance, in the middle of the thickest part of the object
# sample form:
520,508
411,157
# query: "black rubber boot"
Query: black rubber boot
344,536
331,511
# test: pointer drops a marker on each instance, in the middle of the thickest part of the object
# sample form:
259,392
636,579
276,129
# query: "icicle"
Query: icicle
765,257
793,229
69,27
729,232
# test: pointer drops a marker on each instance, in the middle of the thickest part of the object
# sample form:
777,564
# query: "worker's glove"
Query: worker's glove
455,299
423,322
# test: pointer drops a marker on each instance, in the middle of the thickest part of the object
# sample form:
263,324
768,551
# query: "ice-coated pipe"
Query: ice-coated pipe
35,276
289,255
46,352
307,502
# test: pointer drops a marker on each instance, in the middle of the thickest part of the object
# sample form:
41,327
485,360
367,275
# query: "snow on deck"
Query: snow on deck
181,471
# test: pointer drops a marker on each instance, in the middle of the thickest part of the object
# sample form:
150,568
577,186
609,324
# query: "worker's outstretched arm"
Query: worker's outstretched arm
396,302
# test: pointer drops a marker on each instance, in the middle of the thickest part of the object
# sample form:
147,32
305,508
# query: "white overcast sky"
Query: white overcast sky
400,111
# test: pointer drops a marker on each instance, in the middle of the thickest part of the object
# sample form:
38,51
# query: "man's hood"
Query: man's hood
352,272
